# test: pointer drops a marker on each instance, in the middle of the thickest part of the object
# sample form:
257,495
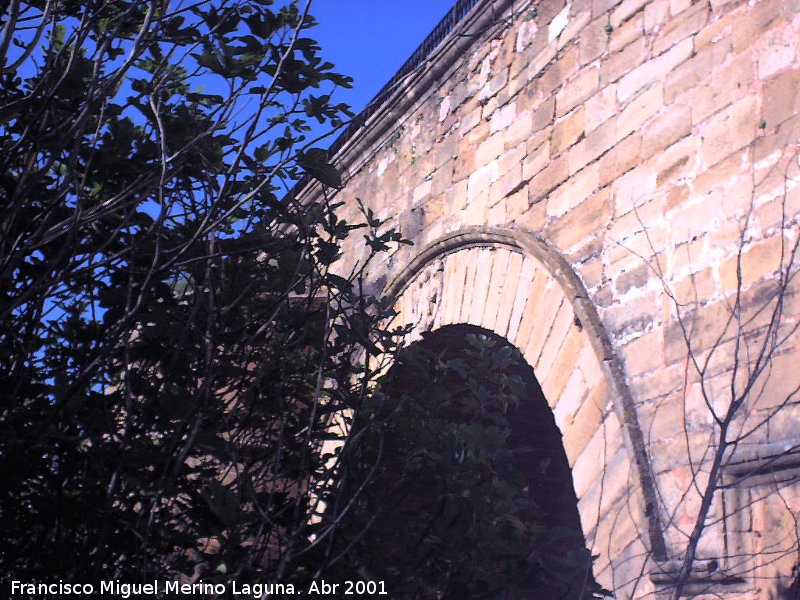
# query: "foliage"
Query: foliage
173,339
183,354
451,497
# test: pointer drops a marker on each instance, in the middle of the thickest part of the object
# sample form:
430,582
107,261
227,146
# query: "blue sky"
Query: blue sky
370,39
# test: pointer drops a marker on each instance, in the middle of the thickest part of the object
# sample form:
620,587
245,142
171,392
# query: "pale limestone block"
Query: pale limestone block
564,362
532,306
496,289
480,286
574,191
640,109
472,255
574,27
654,69
586,421
545,317
558,24
524,291
513,284
570,400
556,337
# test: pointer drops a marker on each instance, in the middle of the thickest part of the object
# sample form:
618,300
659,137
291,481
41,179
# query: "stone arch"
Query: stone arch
533,463
514,285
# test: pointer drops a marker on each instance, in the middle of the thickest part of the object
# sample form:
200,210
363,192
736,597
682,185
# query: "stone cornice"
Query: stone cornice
485,16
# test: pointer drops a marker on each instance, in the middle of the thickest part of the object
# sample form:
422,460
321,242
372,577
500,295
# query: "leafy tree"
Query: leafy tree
463,491
173,339
181,355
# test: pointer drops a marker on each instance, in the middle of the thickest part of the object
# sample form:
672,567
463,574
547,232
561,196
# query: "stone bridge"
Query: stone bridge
611,186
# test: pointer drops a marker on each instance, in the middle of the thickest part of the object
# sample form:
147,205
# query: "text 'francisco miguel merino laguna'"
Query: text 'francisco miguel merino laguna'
127,590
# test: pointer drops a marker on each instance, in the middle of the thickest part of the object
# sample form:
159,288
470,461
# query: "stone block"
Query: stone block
600,107
473,257
677,162
730,130
758,260
519,130
442,179
488,150
540,313
577,90
750,25
557,25
678,6
783,92
633,315
513,286
634,279
603,465
516,205
524,294
571,399
592,146
421,192
654,69
586,421
705,327
574,191
578,226
502,118
446,149
568,130
495,288
496,215
777,52
542,356
480,180
645,217
575,25
644,354
694,220
557,73
535,161
681,27
593,41
554,376
537,66
696,288
658,383
526,34
655,14
625,10
543,115
673,124
779,384
639,110
556,171
615,65
620,159
634,188
600,7
629,31
728,85
477,208
508,183
690,74
590,269
511,159
535,217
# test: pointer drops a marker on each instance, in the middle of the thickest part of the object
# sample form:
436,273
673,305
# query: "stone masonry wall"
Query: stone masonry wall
653,145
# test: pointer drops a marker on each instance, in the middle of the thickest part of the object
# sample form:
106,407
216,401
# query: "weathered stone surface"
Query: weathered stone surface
637,146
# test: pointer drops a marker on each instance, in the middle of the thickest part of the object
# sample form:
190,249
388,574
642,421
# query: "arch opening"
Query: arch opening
473,495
